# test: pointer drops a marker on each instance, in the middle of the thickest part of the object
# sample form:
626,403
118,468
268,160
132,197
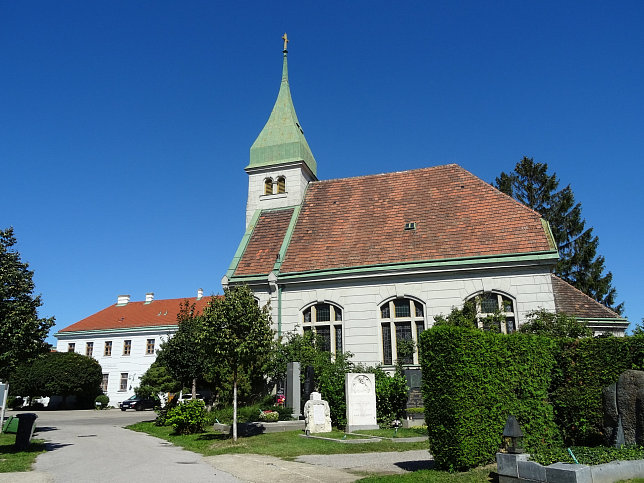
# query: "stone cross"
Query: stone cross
286,40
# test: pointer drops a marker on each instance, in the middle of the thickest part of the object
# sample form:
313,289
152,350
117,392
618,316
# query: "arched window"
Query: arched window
495,311
325,320
401,320
281,184
268,186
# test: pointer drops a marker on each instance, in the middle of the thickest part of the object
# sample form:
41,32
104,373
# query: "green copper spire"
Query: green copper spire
282,139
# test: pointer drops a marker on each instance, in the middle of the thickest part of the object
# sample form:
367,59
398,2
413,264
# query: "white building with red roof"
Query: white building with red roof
124,338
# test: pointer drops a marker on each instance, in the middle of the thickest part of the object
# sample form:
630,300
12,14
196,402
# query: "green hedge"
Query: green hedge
472,381
584,368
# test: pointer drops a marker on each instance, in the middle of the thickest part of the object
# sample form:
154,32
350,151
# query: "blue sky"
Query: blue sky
125,126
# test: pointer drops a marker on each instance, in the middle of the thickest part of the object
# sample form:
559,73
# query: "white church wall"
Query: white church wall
361,299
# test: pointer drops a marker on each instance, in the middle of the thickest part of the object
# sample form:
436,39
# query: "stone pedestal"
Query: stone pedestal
317,415
361,401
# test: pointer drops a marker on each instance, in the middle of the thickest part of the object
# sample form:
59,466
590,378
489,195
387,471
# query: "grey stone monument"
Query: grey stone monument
624,403
317,415
361,401
293,390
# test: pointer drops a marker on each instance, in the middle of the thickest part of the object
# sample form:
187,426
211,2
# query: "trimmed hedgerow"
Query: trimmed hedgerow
588,456
472,381
584,367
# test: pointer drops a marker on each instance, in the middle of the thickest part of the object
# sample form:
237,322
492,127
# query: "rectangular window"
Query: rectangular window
89,349
104,382
420,326
324,333
127,347
71,347
419,309
386,345
149,347
123,385
403,333
402,308
108,348
338,339
322,313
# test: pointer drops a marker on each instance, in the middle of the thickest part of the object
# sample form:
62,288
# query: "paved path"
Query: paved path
92,446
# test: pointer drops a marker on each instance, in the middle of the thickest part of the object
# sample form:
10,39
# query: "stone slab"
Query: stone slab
568,473
507,463
531,470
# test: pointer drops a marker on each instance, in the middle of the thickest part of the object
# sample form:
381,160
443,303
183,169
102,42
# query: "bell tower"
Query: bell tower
281,162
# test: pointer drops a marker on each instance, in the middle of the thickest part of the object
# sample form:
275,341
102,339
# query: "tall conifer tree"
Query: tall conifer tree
579,264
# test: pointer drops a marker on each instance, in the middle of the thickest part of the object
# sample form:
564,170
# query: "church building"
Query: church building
368,261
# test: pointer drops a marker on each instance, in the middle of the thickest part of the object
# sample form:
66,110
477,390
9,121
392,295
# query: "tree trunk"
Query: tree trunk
235,409
194,388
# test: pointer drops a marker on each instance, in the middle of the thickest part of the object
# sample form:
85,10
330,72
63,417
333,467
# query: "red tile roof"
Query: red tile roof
265,243
573,301
360,221
136,314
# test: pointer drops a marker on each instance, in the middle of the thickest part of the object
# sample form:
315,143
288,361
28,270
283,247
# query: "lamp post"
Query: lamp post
513,436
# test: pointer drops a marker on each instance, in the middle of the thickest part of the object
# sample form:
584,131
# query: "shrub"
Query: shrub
103,399
188,417
269,416
587,456
14,402
472,381
391,396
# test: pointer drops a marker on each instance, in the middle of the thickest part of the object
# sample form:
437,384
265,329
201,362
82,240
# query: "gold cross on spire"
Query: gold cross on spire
286,41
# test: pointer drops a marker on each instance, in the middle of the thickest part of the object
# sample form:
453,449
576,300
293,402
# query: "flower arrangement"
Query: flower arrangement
281,400
269,416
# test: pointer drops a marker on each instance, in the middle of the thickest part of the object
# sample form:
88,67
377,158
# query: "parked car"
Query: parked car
138,403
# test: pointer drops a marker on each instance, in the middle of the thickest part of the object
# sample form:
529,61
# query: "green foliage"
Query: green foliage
579,263
59,374
22,333
584,368
465,317
472,381
237,337
180,354
157,380
391,396
549,324
587,456
14,402
103,399
331,384
188,417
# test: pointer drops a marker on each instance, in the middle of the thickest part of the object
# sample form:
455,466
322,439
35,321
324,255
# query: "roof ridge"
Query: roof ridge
362,176
587,296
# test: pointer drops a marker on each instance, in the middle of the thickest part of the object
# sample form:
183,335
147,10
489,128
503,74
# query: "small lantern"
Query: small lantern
396,424
512,435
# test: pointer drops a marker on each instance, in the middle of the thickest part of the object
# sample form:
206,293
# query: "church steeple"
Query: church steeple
282,140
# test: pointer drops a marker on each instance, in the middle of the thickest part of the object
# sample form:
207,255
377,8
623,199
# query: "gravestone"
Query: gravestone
624,402
293,389
309,384
361,401
317,415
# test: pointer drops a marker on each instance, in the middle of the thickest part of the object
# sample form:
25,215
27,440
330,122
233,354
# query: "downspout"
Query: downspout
279,311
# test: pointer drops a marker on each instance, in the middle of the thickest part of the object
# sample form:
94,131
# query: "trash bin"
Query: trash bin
26,426
10,425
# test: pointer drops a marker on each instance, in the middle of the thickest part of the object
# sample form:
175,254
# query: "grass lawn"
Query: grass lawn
477,475
12,460
285,445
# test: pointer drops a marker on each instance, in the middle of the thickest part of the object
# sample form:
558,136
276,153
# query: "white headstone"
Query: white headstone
317,415
361,401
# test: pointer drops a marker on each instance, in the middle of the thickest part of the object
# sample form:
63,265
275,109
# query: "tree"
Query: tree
542,322
59,374
236,336
579,264
181,355
157,380
22,333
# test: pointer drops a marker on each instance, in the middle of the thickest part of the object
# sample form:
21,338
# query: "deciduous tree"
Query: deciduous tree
22,332
579,264
542,322
236,336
